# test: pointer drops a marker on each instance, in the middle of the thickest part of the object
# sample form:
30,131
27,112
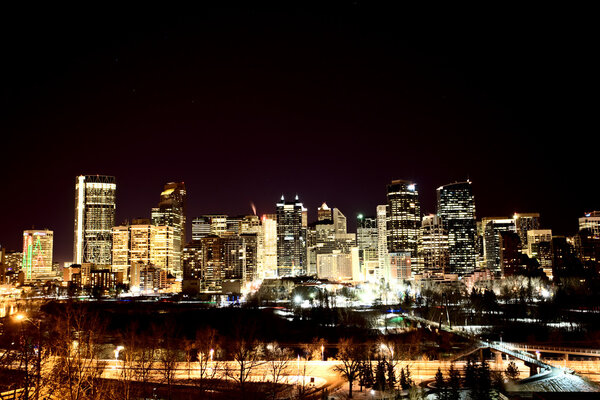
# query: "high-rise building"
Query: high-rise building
171,212
367,240
591,222
324,213
267,260
534,238
94,219
340,223
492,244
456,208
525,222
37,253
200,227
403,219
434,245
291,238
192,260
381,239
510,253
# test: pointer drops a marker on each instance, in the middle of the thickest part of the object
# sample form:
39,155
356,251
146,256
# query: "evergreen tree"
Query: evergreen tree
483,382
454,383
391,375
469,379
512,371
441,386
380,383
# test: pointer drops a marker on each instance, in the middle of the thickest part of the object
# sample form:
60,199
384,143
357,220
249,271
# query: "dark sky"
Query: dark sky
244,104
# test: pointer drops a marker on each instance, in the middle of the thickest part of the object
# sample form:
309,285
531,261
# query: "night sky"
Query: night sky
244,104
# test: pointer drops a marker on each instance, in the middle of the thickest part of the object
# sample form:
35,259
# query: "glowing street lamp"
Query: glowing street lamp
322,353
117,351
212,352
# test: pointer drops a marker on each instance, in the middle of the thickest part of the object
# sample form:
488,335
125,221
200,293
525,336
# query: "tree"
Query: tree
168,357
405,380
380,381
453,383
350,354
483,382
469,377
207,347
391,371
246,352
278,361
512,371
442,387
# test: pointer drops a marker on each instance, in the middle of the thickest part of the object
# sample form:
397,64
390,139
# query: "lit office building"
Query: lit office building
591,222
493,228
162,250
456,208
403,219
534,238
267,261
37,253
525,222
381,239
192,260
510,253
171,212
94,219
120,250
291,238
434,245
367,240
200,227
324,213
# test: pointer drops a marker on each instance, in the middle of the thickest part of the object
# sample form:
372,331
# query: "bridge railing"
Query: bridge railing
521,346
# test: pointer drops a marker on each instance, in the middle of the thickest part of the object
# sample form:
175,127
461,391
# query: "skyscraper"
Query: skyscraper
94,218
171,212
37,253
591,222
434,245
525,222
291,238
381,239
456,207
492,241
403,219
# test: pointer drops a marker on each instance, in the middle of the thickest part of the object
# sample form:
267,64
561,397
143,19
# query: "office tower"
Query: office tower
249,224
121,250
534,238
404,220
525,222
200,227
192,260
492,228
37,253
434,245
213,263
339,266
171,212
381,238
291,238
267,261
510,253
367,240
324,213
218,224
250,253
340,223
587,248
539,246
94,218
591,222
456,208
162,250
328,236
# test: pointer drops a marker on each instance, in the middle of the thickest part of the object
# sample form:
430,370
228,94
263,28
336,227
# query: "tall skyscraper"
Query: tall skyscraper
434,245
492,241
525,222
291,238
37,253
94,218
324,212
591,222
381,239
367,240
267,260
200,227
456,207
403,219
171,212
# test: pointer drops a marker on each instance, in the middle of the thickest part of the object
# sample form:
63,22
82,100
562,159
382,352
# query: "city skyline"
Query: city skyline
331,102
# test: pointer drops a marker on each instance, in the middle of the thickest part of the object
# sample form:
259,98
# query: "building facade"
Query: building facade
37,253
94,219
291,238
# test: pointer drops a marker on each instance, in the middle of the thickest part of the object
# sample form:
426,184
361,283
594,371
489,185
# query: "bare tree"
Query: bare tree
278,362
207,347
168,356
76,371
246,352
350,354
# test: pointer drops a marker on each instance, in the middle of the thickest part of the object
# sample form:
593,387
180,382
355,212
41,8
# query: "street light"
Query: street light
322,353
